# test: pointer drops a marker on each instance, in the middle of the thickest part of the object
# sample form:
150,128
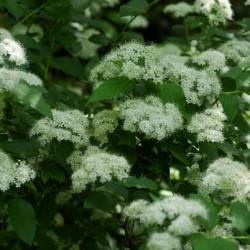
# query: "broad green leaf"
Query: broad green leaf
209,149
21,146
228,148
178,153
22,218
112,88
32,96
52,172
101,200
140,183
134,8
99,39
171,92
193,22
213,218
230,105
240,216
243,81
13,8
233,73
200,242
69,66
47,209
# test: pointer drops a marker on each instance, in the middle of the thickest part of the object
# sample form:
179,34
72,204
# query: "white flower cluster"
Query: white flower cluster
217,11
104,123
247,2
178,210
134,210
70,125
199,85
181,9
13,173
228,178
235,50
223,230
11,50
208,125
96,165
179,213
151,117
9,79
132,60
211,59
163,241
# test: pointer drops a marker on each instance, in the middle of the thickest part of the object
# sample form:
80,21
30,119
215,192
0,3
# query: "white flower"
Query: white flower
134,210
96,165
199,85
12,173
104,123
9,79
223,230
212,59
230,179
163,241
183,225
172,207
181,9
132,60
151,117
208,125
235,50
247,2
13,51
70,125
4,34
217,11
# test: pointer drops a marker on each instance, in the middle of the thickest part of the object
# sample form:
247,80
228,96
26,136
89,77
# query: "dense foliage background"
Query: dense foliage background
124,125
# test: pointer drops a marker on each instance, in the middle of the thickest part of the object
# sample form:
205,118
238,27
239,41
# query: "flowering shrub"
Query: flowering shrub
125,125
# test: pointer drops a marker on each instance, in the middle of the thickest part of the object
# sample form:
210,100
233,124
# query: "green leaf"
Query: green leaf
69,66
99,39
52,172
13,8
233,73
20,146
178,153
101,200
230,105
200,242
171,92
140,183
243,81
32,96
22,218
213,218
112,88
240,216
134,8
83,4
193,22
